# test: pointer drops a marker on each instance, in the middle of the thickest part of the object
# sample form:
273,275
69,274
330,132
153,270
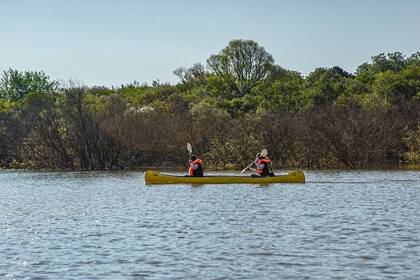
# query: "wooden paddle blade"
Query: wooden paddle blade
189,148
264,152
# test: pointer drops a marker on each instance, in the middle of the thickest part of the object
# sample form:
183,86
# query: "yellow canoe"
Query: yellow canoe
154,177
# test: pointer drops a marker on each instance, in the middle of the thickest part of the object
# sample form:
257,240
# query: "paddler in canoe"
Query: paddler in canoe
262,165
196,167
262,162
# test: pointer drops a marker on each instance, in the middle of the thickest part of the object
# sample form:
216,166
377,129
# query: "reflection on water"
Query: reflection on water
341,225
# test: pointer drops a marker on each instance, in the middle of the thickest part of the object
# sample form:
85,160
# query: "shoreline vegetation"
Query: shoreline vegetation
228,109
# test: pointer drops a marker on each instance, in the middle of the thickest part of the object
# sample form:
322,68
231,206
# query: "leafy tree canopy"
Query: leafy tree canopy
15,85
244,60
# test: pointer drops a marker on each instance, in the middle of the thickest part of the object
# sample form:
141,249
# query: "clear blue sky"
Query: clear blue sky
116,42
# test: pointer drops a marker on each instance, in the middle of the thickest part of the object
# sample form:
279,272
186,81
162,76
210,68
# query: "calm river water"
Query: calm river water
339,225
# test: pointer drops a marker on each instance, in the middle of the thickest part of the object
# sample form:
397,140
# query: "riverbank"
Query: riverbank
328,119
230,168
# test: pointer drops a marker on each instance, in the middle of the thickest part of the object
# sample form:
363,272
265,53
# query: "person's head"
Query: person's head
258,155
193,157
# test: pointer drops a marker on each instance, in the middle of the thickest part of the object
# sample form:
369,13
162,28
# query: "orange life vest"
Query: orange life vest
197,172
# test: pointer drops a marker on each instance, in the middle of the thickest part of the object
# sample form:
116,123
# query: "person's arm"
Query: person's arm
252,169
193,166
259,166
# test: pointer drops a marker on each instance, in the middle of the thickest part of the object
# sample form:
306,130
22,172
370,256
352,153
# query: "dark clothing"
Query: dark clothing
196,169
199,172
263,167
258,175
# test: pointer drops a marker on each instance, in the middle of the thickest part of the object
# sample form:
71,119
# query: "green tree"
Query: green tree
381,63
414,59
195,73
244,61
281,95
14,85
324,85
399,87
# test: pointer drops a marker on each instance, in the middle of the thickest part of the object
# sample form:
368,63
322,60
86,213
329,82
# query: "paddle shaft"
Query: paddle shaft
246,168
264,153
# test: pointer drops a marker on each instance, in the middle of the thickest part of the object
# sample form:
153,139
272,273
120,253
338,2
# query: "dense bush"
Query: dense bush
231,109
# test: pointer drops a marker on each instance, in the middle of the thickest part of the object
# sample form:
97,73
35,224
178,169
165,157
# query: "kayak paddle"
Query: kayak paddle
189,148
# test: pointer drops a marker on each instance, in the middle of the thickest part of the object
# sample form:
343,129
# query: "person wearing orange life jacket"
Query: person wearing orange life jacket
263,167
196,167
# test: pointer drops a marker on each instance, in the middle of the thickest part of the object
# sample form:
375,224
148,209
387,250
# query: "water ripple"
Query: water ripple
107,225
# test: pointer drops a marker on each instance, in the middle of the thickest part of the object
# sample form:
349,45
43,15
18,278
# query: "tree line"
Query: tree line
230,108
